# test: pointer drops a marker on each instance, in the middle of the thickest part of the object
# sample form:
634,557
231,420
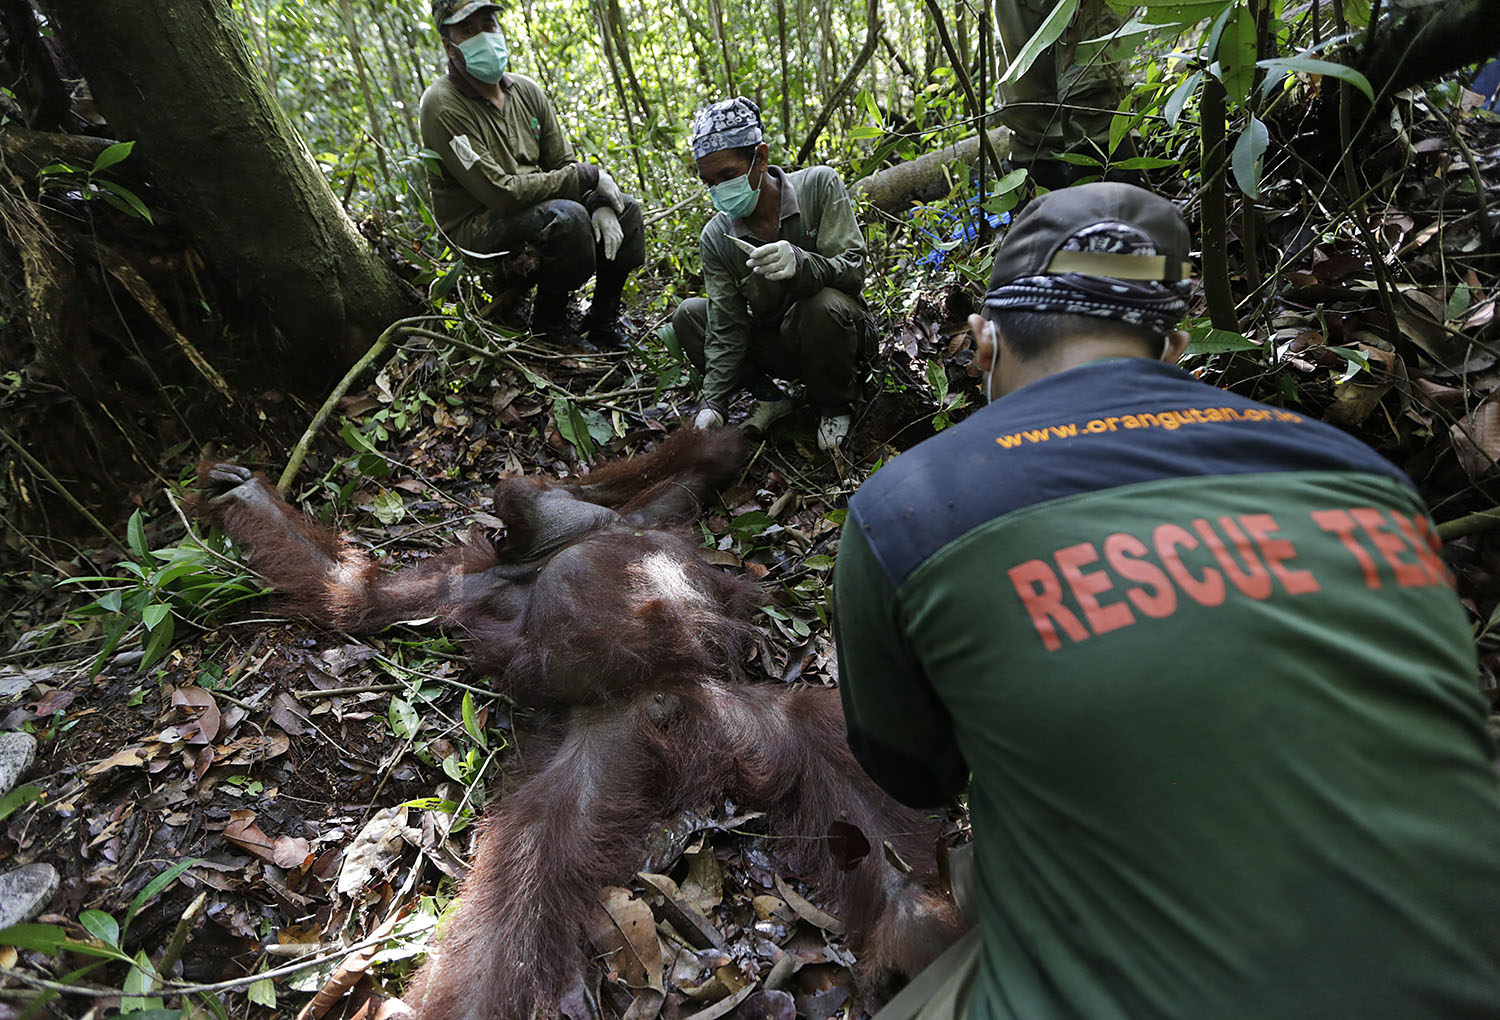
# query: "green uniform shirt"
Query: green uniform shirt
817,217
496,162
1216,695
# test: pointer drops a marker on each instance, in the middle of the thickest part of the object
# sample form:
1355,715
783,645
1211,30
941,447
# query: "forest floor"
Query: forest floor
312,776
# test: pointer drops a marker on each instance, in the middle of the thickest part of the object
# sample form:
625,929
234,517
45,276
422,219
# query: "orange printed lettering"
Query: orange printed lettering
1042,596
1207,590
1253,580
1277,551
1437,570
1088,586
1342,525
1122,552
1408,574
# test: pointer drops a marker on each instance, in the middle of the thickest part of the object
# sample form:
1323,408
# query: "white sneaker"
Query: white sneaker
832,430
767,411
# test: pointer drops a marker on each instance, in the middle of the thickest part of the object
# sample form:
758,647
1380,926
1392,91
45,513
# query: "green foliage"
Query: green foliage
89,183
151,592
105,941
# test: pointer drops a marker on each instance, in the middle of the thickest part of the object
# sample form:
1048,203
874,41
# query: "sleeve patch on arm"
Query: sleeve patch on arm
464,151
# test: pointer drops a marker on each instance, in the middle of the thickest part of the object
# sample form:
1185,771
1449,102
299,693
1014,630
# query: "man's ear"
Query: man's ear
1177,342
984,344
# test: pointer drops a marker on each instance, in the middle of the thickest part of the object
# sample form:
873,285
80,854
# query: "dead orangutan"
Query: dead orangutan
596,608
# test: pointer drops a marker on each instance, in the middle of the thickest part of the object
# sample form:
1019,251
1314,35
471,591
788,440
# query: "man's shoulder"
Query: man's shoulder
441,94
1083,432
820,177
528,87
714,230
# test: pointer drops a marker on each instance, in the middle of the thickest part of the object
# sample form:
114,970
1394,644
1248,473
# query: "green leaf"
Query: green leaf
158,644
404,719
864,131
18,798
937,378
1219,341
1180,12
123,199
110,601
1279,67
1236,54
153,888
154,614
818,562
52,940
572,427
471,721
154,1013
262,993
112,155
140,980
135,532
1145,163
1458,303
100,925
1179,97
1049,32
1245,159
388,507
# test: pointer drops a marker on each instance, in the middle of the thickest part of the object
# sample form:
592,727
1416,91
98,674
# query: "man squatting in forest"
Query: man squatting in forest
783,264
1197,661
510,180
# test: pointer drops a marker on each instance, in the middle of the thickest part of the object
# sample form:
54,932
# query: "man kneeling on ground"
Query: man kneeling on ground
783,263
1196,660
510,182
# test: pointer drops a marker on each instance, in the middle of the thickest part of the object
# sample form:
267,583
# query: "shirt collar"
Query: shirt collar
789,204
506,82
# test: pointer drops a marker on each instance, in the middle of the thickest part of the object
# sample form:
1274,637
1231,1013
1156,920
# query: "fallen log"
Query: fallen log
897,188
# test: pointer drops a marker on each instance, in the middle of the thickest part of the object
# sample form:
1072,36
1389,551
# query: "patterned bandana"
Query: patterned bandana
729,124
1150,303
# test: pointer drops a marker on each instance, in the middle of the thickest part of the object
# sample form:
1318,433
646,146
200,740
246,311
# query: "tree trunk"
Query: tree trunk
925,178
178,79
1429,41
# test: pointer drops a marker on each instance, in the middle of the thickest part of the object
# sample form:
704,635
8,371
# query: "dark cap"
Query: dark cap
1105,229
451,12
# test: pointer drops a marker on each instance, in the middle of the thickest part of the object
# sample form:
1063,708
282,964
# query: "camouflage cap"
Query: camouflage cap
1106,250
451,12
1066,231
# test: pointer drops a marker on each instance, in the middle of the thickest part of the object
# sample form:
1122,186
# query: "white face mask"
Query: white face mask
989,379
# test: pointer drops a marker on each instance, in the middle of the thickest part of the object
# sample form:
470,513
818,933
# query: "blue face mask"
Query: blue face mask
485,56
735,197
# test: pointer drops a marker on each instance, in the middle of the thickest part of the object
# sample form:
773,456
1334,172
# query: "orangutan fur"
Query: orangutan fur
597,609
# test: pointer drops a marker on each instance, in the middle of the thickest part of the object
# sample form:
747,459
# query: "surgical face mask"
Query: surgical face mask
735,197
485,56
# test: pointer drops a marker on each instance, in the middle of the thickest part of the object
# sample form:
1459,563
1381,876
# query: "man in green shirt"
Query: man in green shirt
1196,660
783,263
510,183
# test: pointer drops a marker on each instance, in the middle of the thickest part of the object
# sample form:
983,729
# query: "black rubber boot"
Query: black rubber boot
602,323
550,321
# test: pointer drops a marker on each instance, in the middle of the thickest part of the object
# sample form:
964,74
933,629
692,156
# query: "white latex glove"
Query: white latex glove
708,418
607,231
608,190
774,261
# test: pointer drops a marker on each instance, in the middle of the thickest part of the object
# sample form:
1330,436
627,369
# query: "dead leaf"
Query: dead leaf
287,713
847,844
626,937
290,852
704,883
680,912
202,723
375,848
723,1006
126,756
1476,439
806,910
243,831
